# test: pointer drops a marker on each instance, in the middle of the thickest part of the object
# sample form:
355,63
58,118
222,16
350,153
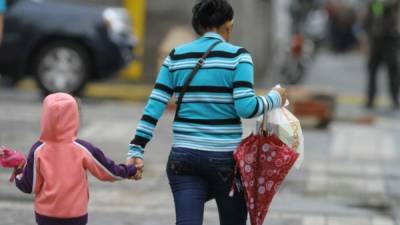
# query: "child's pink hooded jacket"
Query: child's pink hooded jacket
56,167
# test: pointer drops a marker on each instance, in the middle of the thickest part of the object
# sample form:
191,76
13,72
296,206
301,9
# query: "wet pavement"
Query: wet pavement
351,174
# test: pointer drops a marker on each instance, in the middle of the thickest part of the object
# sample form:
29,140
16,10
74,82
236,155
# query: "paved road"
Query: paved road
351,174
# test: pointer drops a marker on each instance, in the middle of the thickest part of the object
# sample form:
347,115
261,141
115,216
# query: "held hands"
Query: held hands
139,164
283,93
138,175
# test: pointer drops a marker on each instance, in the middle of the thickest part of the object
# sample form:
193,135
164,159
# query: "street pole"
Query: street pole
137,11
270,36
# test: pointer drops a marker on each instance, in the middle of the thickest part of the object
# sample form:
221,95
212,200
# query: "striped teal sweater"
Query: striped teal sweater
220,94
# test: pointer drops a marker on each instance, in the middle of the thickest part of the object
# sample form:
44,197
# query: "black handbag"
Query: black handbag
191,76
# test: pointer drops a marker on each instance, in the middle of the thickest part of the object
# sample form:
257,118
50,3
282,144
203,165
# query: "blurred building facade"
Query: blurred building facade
253,30
97,2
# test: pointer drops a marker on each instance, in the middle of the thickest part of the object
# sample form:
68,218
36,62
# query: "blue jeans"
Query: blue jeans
198,176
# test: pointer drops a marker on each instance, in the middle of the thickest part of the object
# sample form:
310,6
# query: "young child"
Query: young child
55,171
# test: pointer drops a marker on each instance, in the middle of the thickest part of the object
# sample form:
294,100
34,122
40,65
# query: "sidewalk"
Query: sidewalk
351,173
338,185
350,176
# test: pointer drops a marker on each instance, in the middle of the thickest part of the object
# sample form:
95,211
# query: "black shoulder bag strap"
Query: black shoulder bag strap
191,76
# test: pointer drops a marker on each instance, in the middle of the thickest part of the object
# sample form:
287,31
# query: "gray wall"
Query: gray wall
161,16
253,28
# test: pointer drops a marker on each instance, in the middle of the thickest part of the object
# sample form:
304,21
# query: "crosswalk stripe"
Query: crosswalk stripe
362,142
313,220
382,221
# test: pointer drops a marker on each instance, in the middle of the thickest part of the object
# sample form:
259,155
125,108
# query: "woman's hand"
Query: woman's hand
139,164
283,93
138,175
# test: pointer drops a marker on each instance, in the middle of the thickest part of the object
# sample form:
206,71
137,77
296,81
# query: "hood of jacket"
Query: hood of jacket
59,119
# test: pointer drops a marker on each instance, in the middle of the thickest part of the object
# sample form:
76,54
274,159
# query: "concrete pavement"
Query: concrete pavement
351,174
332,188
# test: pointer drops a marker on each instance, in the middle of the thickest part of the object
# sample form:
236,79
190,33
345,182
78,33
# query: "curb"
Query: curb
114,91
140,93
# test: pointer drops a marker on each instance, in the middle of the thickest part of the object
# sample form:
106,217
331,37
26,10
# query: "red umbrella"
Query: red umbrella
11,159
263,162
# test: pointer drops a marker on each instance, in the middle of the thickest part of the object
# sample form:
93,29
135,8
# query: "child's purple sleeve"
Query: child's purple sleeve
102,167
25,176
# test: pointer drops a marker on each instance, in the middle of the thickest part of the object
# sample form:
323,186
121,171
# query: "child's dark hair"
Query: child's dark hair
210,14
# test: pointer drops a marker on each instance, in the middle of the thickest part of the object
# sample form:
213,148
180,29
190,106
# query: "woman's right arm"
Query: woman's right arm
158,100
247,103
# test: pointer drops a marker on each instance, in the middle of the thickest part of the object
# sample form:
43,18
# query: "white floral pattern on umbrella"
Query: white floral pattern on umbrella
263,163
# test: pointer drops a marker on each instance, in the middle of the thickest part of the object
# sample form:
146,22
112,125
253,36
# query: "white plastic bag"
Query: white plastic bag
287,127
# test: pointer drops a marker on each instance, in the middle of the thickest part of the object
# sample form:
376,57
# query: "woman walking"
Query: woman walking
213,81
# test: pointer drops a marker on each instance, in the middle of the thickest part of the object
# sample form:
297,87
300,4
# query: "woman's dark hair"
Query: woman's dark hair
210,14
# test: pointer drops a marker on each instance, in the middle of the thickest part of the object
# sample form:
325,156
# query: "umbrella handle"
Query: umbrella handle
236,183
232,191
262,128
